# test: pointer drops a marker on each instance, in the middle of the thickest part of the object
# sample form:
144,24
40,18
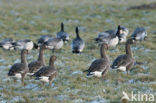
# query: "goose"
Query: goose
109,37
62,34
123,34
7,44
43,39
19,70
36,65
126,61
77,44
25,44
54,43
99,67
139,34
47,73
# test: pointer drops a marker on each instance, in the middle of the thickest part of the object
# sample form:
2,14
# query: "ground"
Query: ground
22,19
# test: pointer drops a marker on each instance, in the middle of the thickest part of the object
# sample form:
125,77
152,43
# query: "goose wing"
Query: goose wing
44,38
78,43
122,60
17,68
139,33
34,66
63,35
98,65
45,71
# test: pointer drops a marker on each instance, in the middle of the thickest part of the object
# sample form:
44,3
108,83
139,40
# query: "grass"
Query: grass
22,19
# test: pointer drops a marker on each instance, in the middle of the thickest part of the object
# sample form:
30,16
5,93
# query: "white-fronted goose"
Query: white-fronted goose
36,65
43,39
126,61
7,44
100,67
109,37
47,73
19,70
62,34
77,44
54,43
25,44
139,34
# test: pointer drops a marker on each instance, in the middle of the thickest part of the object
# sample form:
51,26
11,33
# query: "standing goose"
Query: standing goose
62,34
54,43
139,34
99,67
47,73
126,61
36,65
7,44
43,39
19,70
25,44
109,37
77,44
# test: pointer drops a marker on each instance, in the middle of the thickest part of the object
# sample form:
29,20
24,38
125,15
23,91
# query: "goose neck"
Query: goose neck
128,49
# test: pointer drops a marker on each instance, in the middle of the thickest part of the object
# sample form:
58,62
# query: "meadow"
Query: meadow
21,19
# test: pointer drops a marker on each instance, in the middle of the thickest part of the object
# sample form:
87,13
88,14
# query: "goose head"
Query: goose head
52,60
131,41
25,51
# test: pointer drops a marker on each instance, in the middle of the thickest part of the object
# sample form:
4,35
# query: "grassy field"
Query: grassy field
22,19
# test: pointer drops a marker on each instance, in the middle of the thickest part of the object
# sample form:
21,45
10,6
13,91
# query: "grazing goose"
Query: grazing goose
54,43
99,67
139,34
77,44
109,37
25,44
19,70
63,35
126,61
43,39
7,44
47,73
36,65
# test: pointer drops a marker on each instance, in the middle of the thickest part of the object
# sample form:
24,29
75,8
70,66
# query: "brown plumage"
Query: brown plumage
126,61
19,70
99,67
36,65
47,73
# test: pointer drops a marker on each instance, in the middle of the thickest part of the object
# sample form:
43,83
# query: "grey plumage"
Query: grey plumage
62,34
48,72
7,44
43,39
25,44
77,44
124,62
19,70
36,65
54,43
139,34
99,67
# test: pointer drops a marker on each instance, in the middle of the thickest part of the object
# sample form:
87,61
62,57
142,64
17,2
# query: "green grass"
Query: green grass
22,19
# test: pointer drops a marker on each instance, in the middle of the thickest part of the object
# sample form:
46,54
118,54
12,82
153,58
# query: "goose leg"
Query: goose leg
50,82
22,79
14,81
127,72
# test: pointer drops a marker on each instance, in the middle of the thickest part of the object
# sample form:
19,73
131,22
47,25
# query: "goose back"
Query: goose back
77,44
139,34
